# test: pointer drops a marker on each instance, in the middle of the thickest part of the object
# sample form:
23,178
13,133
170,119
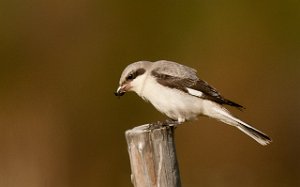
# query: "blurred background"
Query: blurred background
60,62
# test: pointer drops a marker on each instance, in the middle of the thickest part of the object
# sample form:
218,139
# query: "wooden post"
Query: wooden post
153,156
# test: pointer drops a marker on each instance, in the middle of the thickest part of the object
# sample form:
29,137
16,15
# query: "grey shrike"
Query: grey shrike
176,91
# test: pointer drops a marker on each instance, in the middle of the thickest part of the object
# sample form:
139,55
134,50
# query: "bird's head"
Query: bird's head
132,78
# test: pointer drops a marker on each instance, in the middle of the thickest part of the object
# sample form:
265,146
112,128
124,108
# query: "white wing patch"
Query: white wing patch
194,92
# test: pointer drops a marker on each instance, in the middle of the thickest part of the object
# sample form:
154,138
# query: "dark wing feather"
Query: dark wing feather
212,94
182,84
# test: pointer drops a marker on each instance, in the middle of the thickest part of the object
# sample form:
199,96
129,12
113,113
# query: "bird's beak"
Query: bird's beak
120,91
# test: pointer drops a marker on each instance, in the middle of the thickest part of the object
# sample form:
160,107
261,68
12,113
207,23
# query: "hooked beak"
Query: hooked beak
120,91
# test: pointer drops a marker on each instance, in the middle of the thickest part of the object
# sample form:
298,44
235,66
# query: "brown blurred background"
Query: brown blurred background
61,125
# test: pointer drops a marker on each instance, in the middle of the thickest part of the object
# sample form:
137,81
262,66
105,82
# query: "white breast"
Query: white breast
176,104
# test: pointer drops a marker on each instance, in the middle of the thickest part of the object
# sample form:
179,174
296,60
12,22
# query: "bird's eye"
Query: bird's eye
130,77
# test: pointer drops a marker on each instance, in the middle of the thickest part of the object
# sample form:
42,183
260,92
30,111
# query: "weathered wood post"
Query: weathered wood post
152,156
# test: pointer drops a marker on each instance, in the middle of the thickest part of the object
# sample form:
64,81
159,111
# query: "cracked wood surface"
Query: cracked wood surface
152,156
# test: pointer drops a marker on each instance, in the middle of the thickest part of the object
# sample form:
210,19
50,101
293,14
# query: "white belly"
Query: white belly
176,104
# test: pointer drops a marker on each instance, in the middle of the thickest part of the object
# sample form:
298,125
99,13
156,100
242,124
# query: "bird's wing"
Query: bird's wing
191,84
174,69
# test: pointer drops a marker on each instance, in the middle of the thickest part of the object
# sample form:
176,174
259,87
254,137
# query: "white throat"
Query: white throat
138,84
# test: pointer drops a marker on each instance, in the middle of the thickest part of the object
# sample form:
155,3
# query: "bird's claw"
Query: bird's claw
167,123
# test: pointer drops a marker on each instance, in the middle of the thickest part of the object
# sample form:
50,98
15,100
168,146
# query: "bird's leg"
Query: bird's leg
168,122
172,122
155,125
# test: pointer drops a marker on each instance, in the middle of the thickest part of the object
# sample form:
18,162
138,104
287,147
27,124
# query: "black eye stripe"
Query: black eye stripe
135,74
140,71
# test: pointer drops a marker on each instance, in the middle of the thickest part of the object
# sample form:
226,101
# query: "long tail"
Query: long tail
257,135
224,116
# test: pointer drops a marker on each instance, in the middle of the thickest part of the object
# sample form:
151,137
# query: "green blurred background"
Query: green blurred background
61,125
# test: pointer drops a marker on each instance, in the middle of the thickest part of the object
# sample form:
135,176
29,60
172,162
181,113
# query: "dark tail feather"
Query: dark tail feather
231,103
226,117
258,136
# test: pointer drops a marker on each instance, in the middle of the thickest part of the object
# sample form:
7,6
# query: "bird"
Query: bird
176,91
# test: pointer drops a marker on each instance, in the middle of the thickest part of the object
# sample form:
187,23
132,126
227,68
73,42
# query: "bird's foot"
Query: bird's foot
155,125
167,122
172,122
